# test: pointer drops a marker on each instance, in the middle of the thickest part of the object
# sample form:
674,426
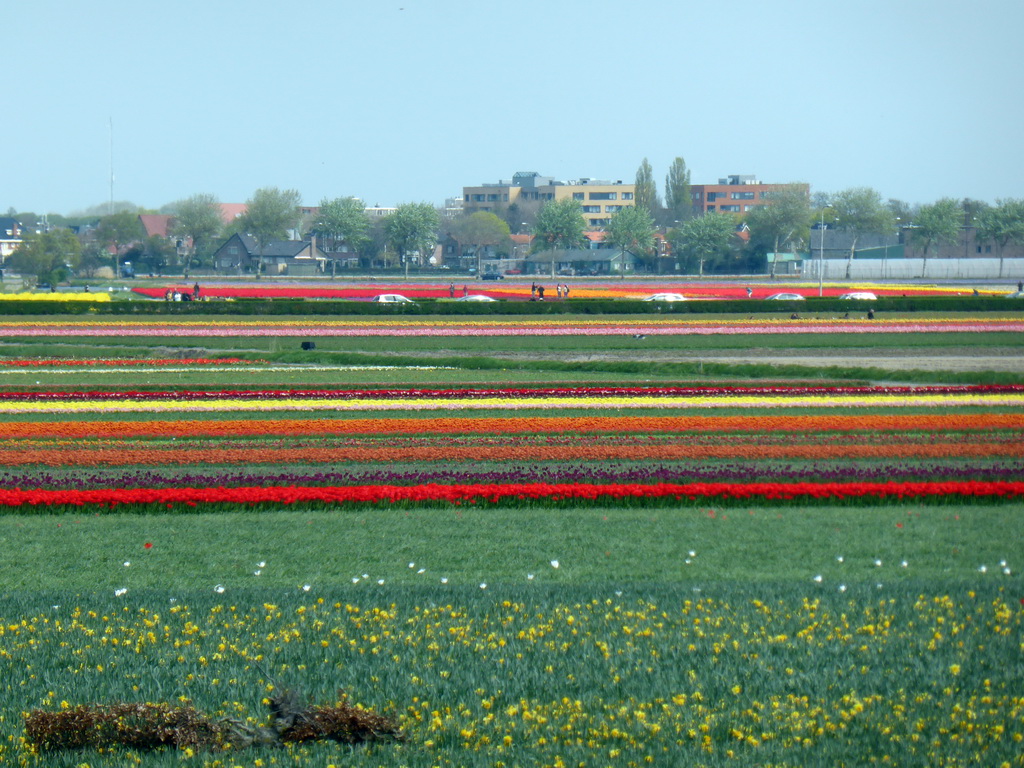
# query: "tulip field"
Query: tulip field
511,564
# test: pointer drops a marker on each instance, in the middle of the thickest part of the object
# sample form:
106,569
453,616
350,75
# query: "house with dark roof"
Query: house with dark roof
10,236
240,254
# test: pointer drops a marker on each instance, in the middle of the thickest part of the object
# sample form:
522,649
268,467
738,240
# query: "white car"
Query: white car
392,298
666,297
859,296
784,297
475,297
1015,295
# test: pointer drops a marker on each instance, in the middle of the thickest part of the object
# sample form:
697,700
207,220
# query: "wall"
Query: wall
1010,271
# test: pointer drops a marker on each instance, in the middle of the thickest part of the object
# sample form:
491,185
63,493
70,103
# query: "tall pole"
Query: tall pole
110,208
821,254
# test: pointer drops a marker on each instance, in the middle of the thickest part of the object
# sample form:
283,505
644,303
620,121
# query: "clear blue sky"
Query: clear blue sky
410,100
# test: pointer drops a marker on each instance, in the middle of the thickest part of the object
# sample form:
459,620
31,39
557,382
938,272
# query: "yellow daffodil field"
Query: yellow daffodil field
217,556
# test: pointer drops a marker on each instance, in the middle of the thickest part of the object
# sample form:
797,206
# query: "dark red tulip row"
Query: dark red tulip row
513,492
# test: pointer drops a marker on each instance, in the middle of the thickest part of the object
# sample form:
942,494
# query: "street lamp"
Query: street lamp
821,252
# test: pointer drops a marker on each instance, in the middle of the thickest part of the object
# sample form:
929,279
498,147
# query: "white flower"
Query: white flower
842,587
257,572
554,563
219,589
687,561
903,563
1006,571
982,568
483,585
119,592
412,565
306,587
529,576
366,575
1002,563
691,553
444,579
127,563
818,578
380,581
839,558
260,564
618,593
878,563
421,570
355,579
878,585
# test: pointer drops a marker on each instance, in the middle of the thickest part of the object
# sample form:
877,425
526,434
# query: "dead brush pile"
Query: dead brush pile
154,726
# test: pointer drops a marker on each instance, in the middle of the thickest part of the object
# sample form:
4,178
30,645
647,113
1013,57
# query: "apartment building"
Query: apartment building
734,194
600,199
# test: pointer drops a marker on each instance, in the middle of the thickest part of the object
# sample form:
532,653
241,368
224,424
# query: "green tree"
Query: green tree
342,220
783,222
560,225
859,211
197,220
412,231
269,214
481,230
646,191
50,256
1002,224
632,230
118,231
936,224
678,201
704,241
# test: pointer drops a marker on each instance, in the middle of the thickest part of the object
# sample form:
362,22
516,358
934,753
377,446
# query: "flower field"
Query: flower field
520,290
551,574
526,326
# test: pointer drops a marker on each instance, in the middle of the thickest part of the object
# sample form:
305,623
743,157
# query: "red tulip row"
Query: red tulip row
492,493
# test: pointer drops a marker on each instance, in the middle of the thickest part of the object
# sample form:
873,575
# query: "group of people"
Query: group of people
173,294
451,290
537,291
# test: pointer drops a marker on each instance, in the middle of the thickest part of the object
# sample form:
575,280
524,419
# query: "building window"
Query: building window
627,195
591,208
729,208
613,208
577,195
478,198
711,207
604,195
742,195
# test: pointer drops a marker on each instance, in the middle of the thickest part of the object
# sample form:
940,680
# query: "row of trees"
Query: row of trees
699,244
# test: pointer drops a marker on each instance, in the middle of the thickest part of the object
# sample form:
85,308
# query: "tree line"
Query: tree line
656,227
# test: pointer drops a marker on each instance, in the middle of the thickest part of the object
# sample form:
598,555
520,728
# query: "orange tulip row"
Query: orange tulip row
797,424
191,456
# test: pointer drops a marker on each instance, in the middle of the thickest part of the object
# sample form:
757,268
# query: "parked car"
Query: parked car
491,276
784,297
665,297
475,297
392,298
859,296
1015,295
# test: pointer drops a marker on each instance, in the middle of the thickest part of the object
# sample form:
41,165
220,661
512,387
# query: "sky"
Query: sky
397,101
